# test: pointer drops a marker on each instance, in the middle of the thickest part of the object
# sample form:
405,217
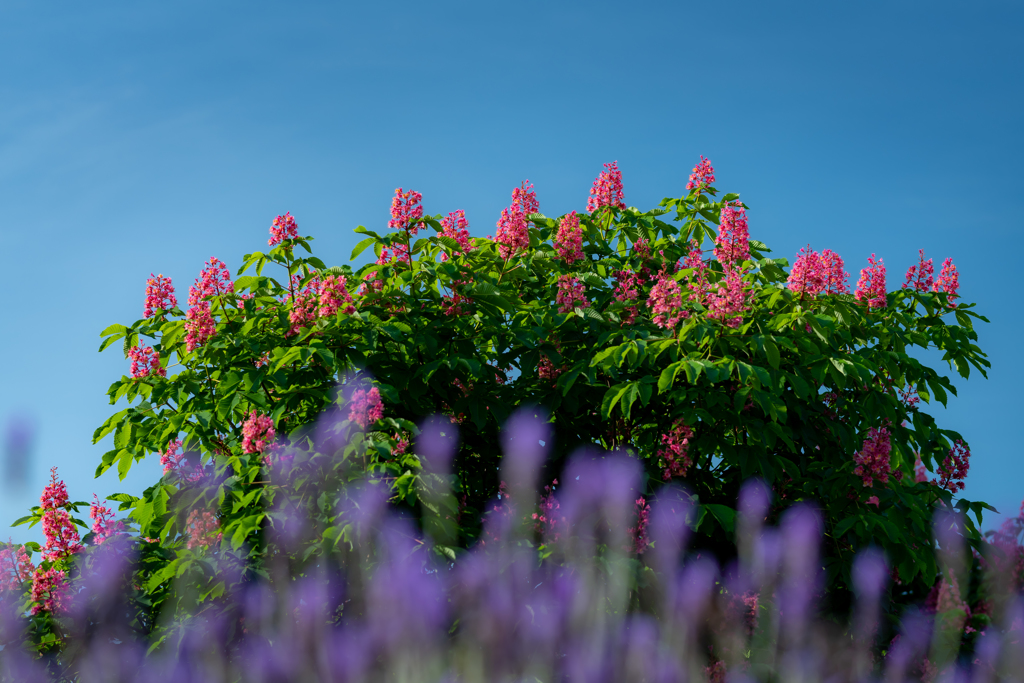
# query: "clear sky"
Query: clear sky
140,137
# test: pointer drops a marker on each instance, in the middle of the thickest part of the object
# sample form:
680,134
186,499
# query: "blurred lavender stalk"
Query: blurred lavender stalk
386,608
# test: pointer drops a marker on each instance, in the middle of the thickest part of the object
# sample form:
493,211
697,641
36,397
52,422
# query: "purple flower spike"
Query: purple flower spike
801,535
670,529
870,573
755,497
437,443
693,590
526,440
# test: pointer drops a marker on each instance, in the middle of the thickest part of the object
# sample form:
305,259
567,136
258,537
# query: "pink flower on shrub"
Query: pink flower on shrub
919,277
305,303
546,521
607,189
639,542
283,228
808,273
405,209
159,295
456,226
674,454
62,539
15,568
834,275
455,304
365,407
732,246
513,235
948,282
569,240
174,461
873,458
213,280
50,591
698,279
202,530
953,469
572,294
665,302
728,302
334,297
199,326
627,290
257,432
104,525
703,175
871,285
145,362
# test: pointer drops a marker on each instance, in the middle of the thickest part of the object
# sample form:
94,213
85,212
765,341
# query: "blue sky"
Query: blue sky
142,136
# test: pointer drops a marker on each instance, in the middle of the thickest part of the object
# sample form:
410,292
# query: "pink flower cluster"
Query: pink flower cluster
639,542
50,591
173,461
62,539
334,297
545,522
665,302
703,175
365,407
607,189
953,469
920,277
949,281
569,240
199,326
214,280
871,285
15,568
304,304
513,235
728,302
159,295
104,525
815,273
732,246
283,228
202,530
405,210
627,291
257,433
920,473
674,454
456,226
698,279
873,458
547,370
572,294
145,362
455,304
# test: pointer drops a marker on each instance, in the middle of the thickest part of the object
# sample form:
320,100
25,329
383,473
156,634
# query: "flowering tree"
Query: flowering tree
668,335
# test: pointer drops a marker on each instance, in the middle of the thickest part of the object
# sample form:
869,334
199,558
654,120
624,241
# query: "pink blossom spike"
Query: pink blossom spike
257,433
703,175
871,285
456,226
732,246
406,209
572,294
919,277
365,407
873,458
834,276
948,282
665,302
569,240
283,228
607,189
674,454
159,295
